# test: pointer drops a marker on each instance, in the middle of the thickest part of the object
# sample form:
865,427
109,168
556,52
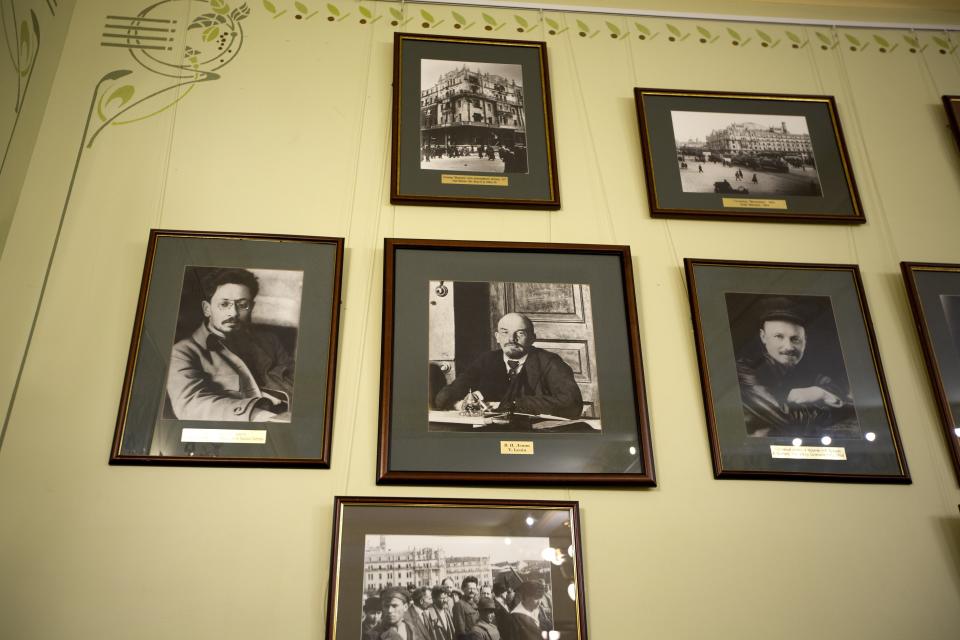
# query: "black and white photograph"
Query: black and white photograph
472,123
232,360
793,386
745,154
934,293
512,356
790,367
472,117
443,587
236,339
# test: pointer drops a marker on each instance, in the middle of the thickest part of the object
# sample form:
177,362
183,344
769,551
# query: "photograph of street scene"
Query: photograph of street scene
472,117
745,154
457,587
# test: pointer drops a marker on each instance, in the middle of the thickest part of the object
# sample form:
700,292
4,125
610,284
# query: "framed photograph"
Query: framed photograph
745,156
233,355
451,569
934,292
792,382
495,368
472,123
952,105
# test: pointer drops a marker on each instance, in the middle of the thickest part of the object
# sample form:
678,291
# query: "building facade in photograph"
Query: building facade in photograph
750,138
423,567
470,107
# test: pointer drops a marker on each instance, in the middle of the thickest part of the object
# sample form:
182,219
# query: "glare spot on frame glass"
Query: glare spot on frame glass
797,442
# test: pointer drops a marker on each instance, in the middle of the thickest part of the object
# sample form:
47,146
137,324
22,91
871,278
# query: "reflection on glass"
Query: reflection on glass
507,541
871,436
797,442
956,432
826,440
572,591
570,551
530,521
633,451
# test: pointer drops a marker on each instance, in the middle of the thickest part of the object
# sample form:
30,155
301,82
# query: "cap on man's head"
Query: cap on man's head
486,603
781,308
372,605
390,593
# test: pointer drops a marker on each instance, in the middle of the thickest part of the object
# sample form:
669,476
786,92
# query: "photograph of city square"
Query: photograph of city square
452,587
472,117
745,154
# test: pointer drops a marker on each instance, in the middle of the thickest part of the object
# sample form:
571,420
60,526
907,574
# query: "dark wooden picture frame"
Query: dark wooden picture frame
938,330
587,421
366,529
481,134
952,106
795,142
793,386
228,380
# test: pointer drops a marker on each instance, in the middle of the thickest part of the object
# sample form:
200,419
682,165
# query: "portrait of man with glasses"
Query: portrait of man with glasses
236,365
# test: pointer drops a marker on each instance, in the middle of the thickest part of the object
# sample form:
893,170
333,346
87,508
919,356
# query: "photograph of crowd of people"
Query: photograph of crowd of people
472,117
747,154
235,343
423,587
790,367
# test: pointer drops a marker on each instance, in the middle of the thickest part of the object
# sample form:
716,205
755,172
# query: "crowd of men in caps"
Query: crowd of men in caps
472,612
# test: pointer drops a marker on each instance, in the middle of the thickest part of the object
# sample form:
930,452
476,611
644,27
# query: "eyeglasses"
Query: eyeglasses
240,305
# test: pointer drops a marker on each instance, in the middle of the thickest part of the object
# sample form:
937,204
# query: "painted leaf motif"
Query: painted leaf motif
642,29
396,13
333,9
881,41
459,18
824,39
210,34
854,41
489,19
521,21
426,16
205,20
366,13
302,8
269,6
614,29
219,6
764,36
122,94
734,34
941,42
240,12
25,39
583,26
794,37
552,24
913,42
704,32
672,29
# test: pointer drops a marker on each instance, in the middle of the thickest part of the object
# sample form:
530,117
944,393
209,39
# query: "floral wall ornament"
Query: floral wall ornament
22,49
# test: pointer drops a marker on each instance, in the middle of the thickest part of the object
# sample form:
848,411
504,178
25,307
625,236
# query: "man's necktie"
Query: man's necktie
512,373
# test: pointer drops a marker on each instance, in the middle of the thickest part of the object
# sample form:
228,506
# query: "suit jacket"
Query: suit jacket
484,631
545,385
441,622
420,623
524,627
383,632
465,615
209,380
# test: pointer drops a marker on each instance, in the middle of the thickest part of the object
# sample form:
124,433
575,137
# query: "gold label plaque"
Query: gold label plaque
227,436
807,453
516,447
754,203
485,181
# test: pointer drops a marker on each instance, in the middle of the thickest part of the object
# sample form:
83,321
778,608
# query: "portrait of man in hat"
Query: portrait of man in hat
790,367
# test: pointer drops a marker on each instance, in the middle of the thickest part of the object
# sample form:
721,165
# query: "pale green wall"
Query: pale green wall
29,55
293,138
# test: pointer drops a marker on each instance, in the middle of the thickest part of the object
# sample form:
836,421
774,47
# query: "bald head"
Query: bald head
515,335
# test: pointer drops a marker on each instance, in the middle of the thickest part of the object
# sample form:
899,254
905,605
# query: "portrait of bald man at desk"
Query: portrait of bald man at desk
518,376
